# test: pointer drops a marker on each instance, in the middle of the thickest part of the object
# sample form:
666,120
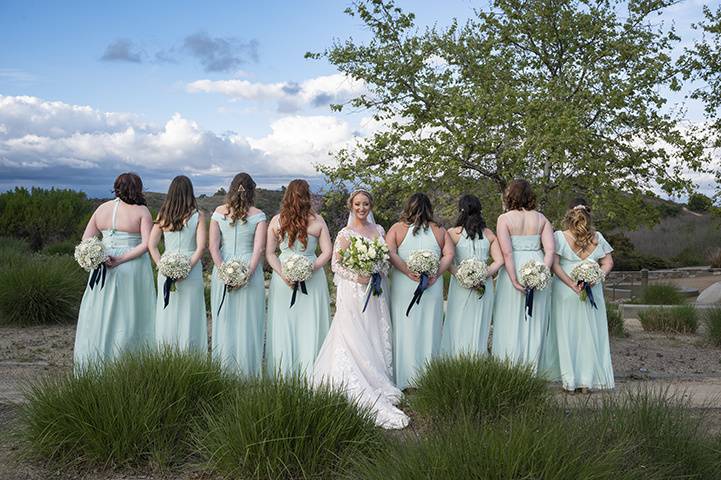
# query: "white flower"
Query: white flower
174,265
472,273
234,273
587,271
423,262
90,254
297,268
371,252
535,275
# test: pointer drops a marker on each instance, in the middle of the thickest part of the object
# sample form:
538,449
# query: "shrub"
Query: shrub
41,289
12,251
712,320
689,257
614,320
65,247
698,202
714,257
681,319
476,387
661,294
282,428
134,411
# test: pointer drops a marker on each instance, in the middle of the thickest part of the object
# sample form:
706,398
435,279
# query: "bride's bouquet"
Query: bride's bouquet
91,256
298,270
472,274
424,263
586,274
174,266
533,276
234,273
368,258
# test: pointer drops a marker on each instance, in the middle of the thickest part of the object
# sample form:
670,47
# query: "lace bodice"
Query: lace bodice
339,270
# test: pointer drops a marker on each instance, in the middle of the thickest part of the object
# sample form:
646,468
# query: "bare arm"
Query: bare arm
146,225
201,239
259,239
326,246
562,275
271,245
548,243
504,242
395,259
91,229
497,257
214,243
606,263
448,251
155,235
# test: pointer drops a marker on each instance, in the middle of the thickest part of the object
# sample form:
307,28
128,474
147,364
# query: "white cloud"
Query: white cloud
315,92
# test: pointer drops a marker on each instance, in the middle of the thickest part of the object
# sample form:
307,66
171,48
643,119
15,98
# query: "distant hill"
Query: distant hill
266,200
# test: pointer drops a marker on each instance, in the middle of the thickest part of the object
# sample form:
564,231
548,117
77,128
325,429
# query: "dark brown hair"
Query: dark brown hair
418,211
240,197
519,196
470,216
295,208
578,221
178,206
128,187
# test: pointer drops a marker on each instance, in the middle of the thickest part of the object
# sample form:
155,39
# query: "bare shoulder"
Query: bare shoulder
201,216
221,209
142,210
254,211
455,232
275,221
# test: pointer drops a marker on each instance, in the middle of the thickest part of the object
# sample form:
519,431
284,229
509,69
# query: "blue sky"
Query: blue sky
89,89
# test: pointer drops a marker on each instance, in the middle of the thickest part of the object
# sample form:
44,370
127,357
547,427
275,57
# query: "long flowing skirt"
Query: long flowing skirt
468,320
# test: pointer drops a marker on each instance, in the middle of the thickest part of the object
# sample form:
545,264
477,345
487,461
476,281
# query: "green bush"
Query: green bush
614,320
41,289
681,319
712,320
689,257
12,251
698,202
661,294
714,257
134,411
65,247
282,428
477,387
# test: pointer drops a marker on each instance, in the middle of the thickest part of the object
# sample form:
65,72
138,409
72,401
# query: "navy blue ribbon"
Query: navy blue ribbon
529,302
374,289
589,293
167,286
303,289
422,286
98,276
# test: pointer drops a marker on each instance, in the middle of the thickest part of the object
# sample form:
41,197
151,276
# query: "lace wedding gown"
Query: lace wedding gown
356,355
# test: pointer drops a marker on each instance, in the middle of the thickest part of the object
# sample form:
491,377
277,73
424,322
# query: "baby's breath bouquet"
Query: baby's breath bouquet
368,258
586,274
297,269
472,274
234,273
424,263
91,256
174,266
533,276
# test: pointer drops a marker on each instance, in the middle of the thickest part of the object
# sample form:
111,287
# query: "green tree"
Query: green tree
698,202
565,93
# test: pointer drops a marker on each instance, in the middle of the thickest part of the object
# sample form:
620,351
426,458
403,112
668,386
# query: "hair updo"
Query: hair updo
578,221
355,193
128,187
470,216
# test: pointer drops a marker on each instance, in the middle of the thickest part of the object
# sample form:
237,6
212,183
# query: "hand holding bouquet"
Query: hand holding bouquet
533,276
234,273
424,263
367,258
472,274
91,256
297,269
174,266
586,274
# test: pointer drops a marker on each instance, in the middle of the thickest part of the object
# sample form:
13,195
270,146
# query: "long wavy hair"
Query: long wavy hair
295,208
470,216
240,197
128,187
178,206
578,221
418,211
519,196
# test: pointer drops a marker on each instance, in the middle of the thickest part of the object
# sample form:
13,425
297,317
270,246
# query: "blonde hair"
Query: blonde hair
578,222
355,193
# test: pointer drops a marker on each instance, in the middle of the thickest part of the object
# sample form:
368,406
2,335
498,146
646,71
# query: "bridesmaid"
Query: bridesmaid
468,318
416,337
237,231
296,334
119,316
524,234
577,351
182,324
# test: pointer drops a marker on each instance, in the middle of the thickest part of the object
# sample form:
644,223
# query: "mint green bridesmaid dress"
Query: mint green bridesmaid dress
468,318
417,337
182,324
296,334
120,316
237,337
516,336
577,351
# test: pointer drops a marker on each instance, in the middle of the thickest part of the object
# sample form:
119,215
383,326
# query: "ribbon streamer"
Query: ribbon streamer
303,290
225,290
422,286
374,288
98,276
589,293
529,302
167,286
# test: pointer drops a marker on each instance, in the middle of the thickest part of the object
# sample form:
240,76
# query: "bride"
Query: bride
356,355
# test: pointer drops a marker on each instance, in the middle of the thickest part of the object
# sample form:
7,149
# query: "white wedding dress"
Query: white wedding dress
356,355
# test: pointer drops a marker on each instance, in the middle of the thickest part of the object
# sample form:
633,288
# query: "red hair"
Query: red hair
294,211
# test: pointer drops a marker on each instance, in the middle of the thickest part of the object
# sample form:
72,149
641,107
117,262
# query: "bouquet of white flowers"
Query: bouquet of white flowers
234,273
174,266
297,269
368,258
586,274
91,256
424,263
534,276
472,274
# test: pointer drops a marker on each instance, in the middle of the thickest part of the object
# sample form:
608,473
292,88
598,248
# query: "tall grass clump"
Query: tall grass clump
133,411
614,320
41,289
662,294
474,386
680,319
712,320
525,447
65,247
12,251
282,428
